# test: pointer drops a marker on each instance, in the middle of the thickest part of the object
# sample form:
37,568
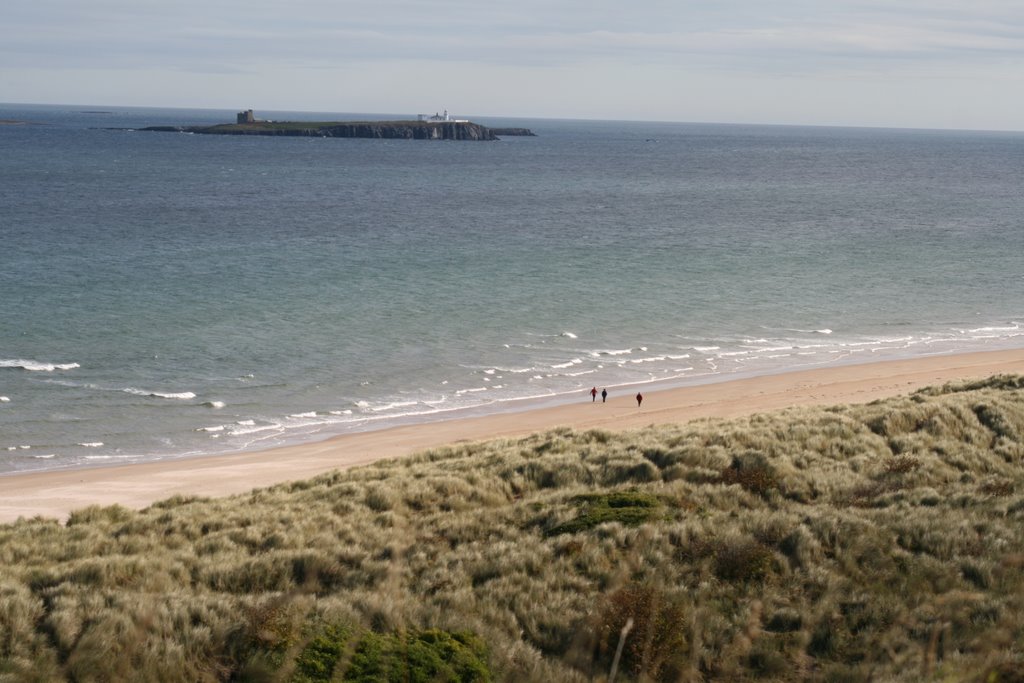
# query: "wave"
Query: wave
611,352
652,359
568,335
215,404
514,371
180,396
4,399
37,366
247,427
91,444
1010,327
135,391
240,428
395,404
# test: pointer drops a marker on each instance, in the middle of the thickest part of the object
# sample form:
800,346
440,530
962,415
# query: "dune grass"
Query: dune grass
879,542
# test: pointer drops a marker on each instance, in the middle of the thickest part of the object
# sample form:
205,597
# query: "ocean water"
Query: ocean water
167,295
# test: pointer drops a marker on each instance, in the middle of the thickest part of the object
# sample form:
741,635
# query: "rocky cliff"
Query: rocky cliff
404,130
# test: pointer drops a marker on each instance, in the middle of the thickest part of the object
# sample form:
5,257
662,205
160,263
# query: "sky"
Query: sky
891,63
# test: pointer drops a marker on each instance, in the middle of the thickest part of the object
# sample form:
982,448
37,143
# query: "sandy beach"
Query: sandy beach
57,493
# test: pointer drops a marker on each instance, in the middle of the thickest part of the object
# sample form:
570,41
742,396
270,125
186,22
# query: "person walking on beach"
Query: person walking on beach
604,395
593,394
639,399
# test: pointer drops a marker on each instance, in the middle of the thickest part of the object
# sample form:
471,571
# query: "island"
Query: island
433,127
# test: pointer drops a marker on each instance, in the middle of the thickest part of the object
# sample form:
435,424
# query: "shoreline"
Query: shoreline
55,493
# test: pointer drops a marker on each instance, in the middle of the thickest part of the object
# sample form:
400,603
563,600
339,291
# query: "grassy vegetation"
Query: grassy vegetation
880,542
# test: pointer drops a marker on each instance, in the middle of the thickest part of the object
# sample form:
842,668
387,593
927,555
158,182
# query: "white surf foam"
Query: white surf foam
37,366
823,330
1011,328
398,405
611,352
179,396
215,404
4,399
652,359
91,444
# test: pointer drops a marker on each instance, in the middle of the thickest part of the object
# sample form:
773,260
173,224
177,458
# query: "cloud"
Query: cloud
569,55
731,33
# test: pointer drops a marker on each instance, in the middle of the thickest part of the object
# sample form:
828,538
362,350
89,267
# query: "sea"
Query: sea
168,295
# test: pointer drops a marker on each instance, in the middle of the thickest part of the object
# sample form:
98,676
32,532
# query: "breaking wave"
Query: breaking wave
180,396
37,366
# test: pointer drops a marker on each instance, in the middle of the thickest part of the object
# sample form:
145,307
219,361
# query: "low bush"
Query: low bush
652,624
753,472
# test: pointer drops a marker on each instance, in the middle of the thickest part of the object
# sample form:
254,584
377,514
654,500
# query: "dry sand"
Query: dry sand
56,494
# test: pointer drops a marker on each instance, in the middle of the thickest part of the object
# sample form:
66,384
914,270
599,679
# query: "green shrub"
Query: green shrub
630,508
419,657
319,658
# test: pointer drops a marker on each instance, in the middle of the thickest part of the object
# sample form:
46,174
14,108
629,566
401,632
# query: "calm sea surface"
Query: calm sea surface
168,294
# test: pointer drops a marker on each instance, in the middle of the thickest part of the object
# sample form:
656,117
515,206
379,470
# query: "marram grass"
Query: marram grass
880,542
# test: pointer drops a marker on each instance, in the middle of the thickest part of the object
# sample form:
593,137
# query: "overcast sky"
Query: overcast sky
903,63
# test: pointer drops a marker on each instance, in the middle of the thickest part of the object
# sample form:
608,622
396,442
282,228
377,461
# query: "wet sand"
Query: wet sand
57,493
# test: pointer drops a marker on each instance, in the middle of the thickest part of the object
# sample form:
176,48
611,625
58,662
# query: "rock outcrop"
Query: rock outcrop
525,132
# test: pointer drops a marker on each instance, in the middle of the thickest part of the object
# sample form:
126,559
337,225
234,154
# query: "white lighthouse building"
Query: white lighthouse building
437,118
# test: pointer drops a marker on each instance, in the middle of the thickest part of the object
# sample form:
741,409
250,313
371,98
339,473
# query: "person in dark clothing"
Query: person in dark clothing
604,395
639,399
593,394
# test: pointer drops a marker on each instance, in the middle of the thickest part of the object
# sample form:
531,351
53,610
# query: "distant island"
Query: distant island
436,127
